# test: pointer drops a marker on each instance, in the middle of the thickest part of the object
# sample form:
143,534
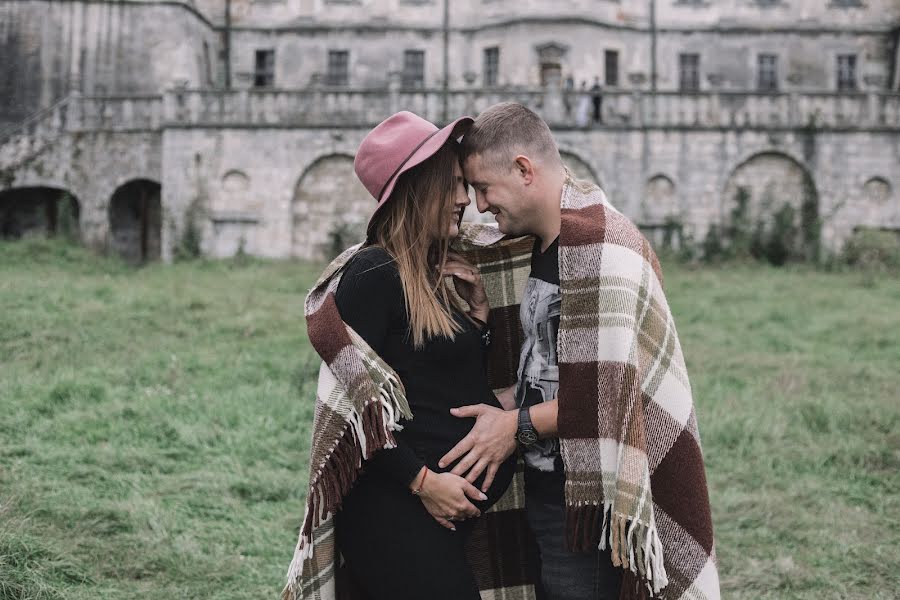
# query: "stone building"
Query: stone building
143,123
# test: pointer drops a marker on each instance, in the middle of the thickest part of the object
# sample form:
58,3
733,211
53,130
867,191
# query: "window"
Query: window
491,66
338,73
612,67
413,68
689,72
207,65
846,71
767,72
845,3
264,69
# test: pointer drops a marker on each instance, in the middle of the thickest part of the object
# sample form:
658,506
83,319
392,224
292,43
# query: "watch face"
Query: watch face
527,437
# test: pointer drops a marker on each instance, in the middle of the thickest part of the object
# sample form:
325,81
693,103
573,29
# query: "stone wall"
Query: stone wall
269,172
50,49
105,47
91,167
298,185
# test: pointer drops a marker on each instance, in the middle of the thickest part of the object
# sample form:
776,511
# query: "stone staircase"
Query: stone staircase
27,140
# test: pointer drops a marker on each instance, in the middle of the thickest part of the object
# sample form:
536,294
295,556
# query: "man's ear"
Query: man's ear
525,168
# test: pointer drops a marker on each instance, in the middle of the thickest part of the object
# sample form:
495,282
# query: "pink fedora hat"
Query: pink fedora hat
395,146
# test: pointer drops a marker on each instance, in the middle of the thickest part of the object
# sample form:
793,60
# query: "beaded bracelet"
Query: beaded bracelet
418,490
486,330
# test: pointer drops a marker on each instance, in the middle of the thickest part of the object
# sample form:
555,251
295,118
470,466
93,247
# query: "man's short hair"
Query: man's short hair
504,131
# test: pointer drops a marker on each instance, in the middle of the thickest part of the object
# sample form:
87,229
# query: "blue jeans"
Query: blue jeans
565,575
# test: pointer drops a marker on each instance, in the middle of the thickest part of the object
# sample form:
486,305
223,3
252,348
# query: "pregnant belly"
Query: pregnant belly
498,486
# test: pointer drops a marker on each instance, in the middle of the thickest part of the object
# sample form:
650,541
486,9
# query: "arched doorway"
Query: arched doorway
659,203
135,221
579,168
38,211
772,196
875,207
330,209
661,218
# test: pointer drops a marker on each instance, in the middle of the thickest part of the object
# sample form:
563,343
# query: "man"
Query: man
594,385
597,100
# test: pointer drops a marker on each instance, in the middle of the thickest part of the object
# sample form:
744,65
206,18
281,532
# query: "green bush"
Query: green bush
777,235
341,236
191,244
873,249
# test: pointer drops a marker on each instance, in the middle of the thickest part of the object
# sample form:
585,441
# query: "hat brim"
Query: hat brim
428,149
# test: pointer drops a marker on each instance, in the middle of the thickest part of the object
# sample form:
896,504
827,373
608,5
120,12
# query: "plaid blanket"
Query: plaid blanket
359,402
635,479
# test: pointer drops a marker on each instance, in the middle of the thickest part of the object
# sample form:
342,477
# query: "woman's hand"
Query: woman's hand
468,284
446,498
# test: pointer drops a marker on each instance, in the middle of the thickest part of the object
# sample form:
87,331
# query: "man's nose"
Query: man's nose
480,203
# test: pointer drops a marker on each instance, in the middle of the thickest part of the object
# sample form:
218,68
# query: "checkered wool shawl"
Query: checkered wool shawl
635,480
359,401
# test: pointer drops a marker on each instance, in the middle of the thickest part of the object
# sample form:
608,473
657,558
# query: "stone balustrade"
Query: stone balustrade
77,113
326,107
337,107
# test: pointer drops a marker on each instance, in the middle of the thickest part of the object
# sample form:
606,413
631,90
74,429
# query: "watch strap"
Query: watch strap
526,434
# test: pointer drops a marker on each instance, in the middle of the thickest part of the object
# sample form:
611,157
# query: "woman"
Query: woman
395,295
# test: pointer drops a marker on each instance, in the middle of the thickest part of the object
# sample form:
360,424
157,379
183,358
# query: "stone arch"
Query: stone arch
233,195
762,185
659,203
39,210
330,208
875,208
135,221
579,168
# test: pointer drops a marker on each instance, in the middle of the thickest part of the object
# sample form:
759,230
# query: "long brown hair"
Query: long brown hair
405,226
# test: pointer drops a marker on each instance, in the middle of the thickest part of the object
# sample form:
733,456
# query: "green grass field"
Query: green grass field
154,425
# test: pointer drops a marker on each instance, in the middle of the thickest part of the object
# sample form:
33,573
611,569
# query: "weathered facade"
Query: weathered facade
238,121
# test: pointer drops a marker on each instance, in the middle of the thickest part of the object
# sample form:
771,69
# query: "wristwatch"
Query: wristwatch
526,434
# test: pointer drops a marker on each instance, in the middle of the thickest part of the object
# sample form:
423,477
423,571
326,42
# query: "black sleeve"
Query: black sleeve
370,300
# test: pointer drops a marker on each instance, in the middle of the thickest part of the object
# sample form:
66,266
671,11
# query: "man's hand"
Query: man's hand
487,445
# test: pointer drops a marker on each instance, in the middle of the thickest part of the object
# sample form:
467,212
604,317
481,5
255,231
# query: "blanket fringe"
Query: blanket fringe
367,431
635,546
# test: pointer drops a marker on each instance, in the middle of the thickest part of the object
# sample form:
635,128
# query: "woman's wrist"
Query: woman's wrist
484,330
415,486
480,315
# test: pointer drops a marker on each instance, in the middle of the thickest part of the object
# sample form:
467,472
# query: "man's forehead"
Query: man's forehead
473,165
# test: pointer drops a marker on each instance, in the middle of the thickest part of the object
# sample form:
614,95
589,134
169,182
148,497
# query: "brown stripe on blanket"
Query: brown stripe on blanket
683,567
583,527
579,398
498,559
506,344
583,226
685,500
326,330
622,232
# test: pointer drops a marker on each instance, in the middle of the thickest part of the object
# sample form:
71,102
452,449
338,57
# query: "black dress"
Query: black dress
394,549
